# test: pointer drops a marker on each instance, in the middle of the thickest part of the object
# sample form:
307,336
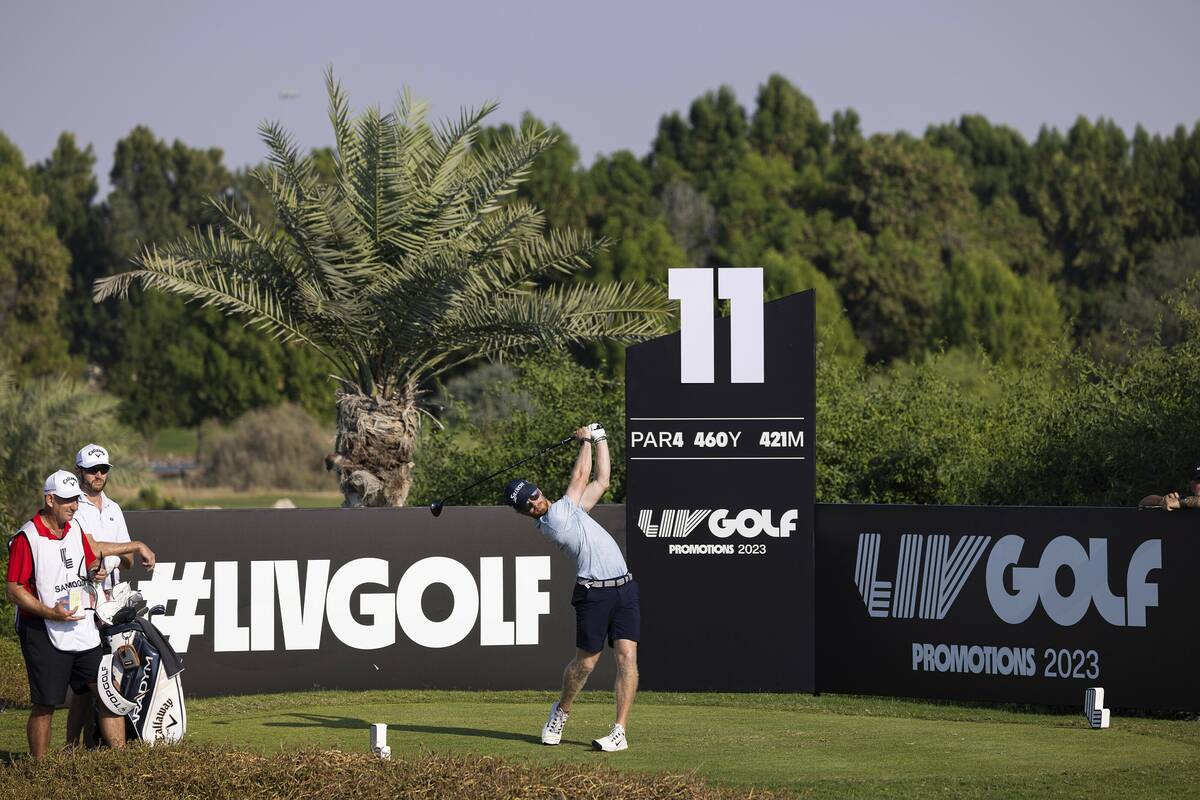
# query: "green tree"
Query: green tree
786,124
786,275
985,303
176,365
995,158
1081,189
755,213
1142,309
905,184
405,267
556,182
624,210
67,178
712,140
33,273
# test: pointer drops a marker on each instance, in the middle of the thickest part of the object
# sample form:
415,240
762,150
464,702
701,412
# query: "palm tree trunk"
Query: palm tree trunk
373,453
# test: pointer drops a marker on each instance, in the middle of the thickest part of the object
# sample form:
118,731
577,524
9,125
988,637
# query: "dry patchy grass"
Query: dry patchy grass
203,771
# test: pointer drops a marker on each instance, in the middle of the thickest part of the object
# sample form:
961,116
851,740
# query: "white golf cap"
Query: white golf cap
92,455
62,484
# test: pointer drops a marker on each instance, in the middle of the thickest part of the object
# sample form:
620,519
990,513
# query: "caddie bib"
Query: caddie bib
57,569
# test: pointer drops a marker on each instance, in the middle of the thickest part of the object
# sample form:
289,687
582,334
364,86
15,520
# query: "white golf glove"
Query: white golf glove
598,434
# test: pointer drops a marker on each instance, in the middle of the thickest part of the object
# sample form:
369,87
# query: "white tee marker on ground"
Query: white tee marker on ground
1093,708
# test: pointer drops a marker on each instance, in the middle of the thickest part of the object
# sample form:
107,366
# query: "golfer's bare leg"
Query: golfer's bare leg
37,730
112,727
575,676
81,706
627,677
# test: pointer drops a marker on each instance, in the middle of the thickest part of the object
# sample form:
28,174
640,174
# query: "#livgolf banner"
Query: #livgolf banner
283,600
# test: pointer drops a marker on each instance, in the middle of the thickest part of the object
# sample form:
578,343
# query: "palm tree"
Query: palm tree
410,261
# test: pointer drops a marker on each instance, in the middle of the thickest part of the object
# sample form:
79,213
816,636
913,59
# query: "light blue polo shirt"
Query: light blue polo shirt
596,554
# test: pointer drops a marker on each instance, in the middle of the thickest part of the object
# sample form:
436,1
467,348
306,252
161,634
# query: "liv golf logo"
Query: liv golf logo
679,523
931,573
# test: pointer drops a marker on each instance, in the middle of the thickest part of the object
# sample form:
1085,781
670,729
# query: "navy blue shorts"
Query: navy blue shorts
606,614
51,670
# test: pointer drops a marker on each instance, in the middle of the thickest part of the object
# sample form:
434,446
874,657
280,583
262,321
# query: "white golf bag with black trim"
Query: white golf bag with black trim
140,677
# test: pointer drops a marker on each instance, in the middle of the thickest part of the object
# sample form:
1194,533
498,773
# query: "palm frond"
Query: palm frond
412,257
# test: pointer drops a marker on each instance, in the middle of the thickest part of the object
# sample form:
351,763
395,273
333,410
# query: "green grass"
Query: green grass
228,498
833,746
174,442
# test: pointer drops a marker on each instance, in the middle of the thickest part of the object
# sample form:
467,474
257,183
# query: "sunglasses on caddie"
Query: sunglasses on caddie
101,468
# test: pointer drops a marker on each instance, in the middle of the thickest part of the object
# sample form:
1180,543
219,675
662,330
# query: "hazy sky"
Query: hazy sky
208,72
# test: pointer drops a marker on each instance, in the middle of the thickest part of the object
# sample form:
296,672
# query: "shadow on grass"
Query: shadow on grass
353,723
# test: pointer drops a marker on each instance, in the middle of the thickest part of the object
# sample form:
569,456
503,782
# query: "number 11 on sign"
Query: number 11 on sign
743,288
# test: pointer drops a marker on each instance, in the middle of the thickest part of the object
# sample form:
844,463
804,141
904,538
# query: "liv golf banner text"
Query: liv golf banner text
1009,604
266,601
720,481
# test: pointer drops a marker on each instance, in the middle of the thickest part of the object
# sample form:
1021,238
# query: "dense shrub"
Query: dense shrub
563,396
1066,429
43,423
276,448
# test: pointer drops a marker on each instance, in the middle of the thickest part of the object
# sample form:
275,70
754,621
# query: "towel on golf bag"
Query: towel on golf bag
140,680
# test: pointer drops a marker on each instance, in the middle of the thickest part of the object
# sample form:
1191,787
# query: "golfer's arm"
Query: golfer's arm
105,549
20,596
596,489
580,472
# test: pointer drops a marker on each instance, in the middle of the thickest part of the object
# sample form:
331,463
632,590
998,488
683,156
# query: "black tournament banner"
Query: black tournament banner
720,479
1032,605
340,598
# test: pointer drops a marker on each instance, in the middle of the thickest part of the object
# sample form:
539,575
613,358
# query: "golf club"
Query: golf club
436,506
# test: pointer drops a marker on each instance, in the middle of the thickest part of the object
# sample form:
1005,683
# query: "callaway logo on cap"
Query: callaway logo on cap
92,455
62,484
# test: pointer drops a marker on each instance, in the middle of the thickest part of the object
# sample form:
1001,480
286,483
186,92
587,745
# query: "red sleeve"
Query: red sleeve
88,555
20,560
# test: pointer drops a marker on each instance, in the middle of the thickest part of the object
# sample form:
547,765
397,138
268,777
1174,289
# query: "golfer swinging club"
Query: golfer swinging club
605,596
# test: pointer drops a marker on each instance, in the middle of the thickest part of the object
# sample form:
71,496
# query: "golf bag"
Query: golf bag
140,677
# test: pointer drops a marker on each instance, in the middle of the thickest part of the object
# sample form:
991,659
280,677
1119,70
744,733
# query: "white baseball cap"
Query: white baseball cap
62,484
92,455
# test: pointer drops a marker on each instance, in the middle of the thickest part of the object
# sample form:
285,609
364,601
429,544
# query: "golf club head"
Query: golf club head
436,507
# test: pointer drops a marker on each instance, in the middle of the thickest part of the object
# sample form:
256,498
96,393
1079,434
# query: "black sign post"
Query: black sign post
720,501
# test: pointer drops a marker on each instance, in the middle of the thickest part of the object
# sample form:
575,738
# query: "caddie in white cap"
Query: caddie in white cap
101,518
49,574
99,515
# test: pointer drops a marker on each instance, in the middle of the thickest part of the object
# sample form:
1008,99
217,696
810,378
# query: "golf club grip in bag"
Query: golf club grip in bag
140,680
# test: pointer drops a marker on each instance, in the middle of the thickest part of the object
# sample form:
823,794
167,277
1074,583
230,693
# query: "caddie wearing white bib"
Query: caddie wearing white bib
48,581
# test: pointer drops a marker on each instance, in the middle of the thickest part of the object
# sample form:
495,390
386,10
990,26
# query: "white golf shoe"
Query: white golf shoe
613,742
553,729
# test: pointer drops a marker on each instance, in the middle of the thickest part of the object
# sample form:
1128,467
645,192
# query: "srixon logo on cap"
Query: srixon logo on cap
512,498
